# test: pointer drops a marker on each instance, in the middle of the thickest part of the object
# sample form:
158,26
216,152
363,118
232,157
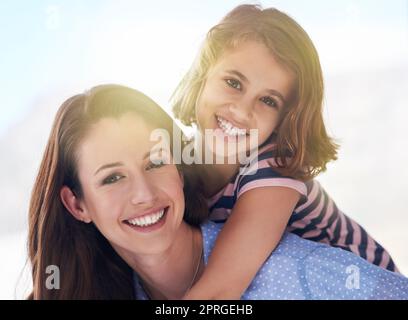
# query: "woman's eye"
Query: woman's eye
234,83
269,101
112,179
154,165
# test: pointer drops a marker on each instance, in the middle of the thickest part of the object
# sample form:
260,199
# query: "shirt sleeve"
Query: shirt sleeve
261,172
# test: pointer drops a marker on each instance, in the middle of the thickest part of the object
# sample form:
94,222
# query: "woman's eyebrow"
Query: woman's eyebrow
155,151
152,151
109,165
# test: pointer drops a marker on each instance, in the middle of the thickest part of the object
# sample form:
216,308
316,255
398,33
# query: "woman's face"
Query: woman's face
246,89
136,204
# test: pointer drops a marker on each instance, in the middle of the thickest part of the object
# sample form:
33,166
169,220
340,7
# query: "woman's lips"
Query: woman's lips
148,222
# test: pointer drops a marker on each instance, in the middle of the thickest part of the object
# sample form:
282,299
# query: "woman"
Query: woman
107,208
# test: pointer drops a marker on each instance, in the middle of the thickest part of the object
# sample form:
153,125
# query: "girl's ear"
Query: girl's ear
74,205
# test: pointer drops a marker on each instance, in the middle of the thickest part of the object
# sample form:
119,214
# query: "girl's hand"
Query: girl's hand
254,229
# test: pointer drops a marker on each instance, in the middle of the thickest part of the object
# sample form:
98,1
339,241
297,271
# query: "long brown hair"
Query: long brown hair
89,267
301,131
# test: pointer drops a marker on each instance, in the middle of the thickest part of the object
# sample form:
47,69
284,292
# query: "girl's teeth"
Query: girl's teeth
229,129
147,220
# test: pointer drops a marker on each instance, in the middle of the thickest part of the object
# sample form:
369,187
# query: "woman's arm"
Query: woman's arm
251,233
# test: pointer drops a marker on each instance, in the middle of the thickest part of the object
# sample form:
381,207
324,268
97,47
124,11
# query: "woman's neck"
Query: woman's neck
170,274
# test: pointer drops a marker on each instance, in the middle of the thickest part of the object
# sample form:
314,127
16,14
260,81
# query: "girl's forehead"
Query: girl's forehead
257,63
245,55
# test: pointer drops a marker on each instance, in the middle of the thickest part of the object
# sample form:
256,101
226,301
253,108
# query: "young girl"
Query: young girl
258,69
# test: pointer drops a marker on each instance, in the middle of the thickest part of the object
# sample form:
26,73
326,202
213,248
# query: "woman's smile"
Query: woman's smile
148,221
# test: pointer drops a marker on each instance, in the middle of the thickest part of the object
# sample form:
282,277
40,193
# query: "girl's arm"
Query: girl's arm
251,233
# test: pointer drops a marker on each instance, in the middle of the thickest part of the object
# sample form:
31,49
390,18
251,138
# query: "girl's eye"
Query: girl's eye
112,179
269,101
234,83
155,165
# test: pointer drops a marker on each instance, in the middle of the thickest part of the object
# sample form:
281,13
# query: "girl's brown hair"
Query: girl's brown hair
301,132
89,267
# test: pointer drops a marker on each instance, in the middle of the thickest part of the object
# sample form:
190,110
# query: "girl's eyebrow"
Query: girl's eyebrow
238,74
272,92
109,165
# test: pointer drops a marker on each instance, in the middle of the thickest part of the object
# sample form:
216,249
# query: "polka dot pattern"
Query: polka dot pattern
303,269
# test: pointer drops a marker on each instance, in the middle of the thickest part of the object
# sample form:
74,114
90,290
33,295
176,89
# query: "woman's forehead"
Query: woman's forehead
110,137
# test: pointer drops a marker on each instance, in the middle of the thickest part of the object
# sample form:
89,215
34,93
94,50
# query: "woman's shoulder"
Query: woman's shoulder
353,276
290,246
209,231
291,249
304,269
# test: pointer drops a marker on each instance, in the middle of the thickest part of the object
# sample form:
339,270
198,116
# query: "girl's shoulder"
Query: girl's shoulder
262,171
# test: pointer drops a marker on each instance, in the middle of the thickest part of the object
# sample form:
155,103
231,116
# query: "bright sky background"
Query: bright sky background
66,46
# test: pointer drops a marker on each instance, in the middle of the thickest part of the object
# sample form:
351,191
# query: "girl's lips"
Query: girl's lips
235,123
219,131
151,227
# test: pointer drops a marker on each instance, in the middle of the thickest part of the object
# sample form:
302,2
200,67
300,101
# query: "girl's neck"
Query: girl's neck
170,274
216,176
213,176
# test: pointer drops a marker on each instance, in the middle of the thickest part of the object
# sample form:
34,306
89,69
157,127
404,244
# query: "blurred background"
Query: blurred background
51,50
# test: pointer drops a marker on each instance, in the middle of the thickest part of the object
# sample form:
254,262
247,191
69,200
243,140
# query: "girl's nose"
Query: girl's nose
242,112
143,192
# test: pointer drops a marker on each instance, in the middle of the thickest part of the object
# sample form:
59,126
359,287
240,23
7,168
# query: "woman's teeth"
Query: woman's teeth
147,220
228,128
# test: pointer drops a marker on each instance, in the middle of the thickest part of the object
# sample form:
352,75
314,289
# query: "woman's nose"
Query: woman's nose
143,192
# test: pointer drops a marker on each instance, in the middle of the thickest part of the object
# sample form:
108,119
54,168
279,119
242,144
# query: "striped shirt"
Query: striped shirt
315,217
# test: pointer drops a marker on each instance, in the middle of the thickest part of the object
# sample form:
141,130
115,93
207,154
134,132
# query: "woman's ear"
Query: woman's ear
74,205
181,173
182,178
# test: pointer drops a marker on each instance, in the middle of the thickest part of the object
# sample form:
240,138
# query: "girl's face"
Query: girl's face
136,204
246,89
